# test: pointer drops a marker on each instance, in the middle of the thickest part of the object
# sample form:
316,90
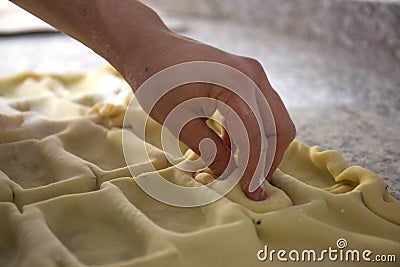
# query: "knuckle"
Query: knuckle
254,69
290,131
253,63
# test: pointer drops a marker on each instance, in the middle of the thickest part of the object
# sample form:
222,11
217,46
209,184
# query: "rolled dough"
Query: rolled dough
67,197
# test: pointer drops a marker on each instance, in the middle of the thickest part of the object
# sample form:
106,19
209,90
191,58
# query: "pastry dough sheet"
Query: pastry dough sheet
67,197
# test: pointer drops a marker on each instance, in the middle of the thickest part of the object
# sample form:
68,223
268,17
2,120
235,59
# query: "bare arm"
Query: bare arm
135,41
113,29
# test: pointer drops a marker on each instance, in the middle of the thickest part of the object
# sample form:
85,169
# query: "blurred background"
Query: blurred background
335,63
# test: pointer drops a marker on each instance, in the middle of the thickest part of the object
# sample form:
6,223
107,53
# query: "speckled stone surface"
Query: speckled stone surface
342,99
338,98
356,24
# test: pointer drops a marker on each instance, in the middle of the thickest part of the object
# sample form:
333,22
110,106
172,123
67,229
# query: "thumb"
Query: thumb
207,144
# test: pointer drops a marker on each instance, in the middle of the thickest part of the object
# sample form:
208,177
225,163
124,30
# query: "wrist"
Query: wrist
154,49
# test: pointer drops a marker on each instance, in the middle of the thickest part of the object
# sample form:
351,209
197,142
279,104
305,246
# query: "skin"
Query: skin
128,34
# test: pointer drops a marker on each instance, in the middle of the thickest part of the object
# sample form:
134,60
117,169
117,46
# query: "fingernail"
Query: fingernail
261,195
258,195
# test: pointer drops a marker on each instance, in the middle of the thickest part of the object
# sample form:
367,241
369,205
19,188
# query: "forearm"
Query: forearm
134,40
113,29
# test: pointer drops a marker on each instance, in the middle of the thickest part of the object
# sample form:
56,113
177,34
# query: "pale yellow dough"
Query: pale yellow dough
68,199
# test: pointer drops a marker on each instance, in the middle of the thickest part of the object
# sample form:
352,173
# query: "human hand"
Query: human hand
132,37
172,49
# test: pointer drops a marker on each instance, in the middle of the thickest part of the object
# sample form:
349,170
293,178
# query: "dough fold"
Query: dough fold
67,197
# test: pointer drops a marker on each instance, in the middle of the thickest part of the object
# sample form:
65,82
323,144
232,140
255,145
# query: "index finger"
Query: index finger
252,142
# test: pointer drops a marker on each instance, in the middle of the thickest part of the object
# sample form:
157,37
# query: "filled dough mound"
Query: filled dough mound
67,197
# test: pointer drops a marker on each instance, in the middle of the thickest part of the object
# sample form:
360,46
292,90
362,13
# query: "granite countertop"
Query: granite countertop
339,98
